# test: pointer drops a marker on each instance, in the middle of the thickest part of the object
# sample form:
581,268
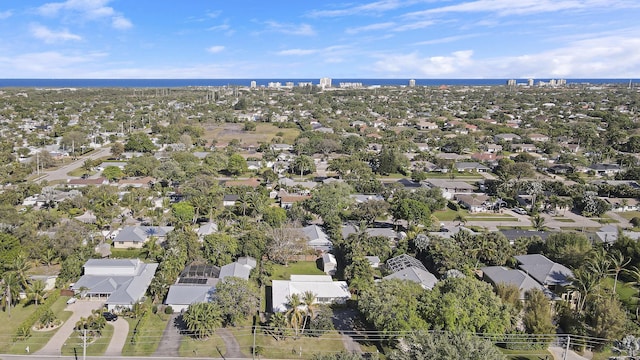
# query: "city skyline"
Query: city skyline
361,39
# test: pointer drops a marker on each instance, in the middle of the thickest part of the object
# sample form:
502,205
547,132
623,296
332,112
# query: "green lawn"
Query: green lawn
73,346
491,218
563,219
449,215
39,338
80,171
629,214
211,347
304,347
150,335
281,272
10,321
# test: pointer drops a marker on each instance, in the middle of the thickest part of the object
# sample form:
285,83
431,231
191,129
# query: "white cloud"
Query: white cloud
373,8
291,29
526,7
215,49
609,56
5,14
49,36
47,64
297,52
371,27
86,10
221,27
447,39
415,26
121,23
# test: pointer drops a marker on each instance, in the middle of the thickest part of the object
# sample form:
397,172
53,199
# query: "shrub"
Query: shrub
168,310
24,330
635,221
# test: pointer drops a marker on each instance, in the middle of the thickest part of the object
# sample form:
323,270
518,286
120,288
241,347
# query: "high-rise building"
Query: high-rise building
412,83
511,82
254,84
325,82
530,82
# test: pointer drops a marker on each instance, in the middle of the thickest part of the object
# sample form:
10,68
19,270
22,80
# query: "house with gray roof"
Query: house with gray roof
123,282
317,238
405,267
136,236
238,269
501,275
387,232
546,272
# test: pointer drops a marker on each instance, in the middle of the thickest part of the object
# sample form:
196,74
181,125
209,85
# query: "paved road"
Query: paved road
558,354
50,357
82,308
119,338
622,222
171,338
61,173
230,343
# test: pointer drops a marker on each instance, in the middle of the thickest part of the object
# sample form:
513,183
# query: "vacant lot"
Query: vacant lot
281,272
264,133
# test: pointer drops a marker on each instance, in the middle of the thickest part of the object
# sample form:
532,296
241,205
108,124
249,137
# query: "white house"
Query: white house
325,289
123,282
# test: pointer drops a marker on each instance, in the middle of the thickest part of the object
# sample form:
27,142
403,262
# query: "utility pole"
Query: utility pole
84,344
566,351
253,348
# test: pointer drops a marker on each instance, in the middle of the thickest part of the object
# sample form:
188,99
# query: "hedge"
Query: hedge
24,330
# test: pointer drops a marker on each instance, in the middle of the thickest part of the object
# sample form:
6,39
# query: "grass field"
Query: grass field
629,214
39,338
212,347
149,338
301,348
563,219
450,215
9,323
281,272
264,133
73,346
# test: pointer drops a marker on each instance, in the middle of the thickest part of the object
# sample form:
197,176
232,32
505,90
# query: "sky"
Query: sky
289,39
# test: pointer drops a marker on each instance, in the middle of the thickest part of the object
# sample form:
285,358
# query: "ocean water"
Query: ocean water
177,83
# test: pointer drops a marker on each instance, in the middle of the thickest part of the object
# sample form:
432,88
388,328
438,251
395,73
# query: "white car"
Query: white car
71,301
520,211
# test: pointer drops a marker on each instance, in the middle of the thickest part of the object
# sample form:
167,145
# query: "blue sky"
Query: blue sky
313,38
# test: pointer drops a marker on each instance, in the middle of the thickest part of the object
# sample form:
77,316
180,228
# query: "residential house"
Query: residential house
281,147
240,269
548,273
363,198
206,229
386,232
230,199
506,137
501,275
325,289
195,284
252,182
123,282
317,238
475,202
538,137
76,183
450,188
513,234
623,204
287,200
405,267
374,261
493,148
605,169
136,236
519,148
426,125
142,182
471,166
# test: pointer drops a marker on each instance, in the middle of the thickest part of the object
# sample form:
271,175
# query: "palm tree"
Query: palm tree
10,290
20,267
635,274
308,299
295,314
617,263
49,257
278,325
584,282
36,291
460,219
538,222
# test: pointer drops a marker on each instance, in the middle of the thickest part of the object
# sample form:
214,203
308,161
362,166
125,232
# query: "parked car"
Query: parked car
520,211
71,301
110,316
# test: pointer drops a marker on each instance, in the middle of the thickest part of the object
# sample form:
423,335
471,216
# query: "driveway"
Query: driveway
171,338
558,354
231,344
119,338
344,320
81,308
